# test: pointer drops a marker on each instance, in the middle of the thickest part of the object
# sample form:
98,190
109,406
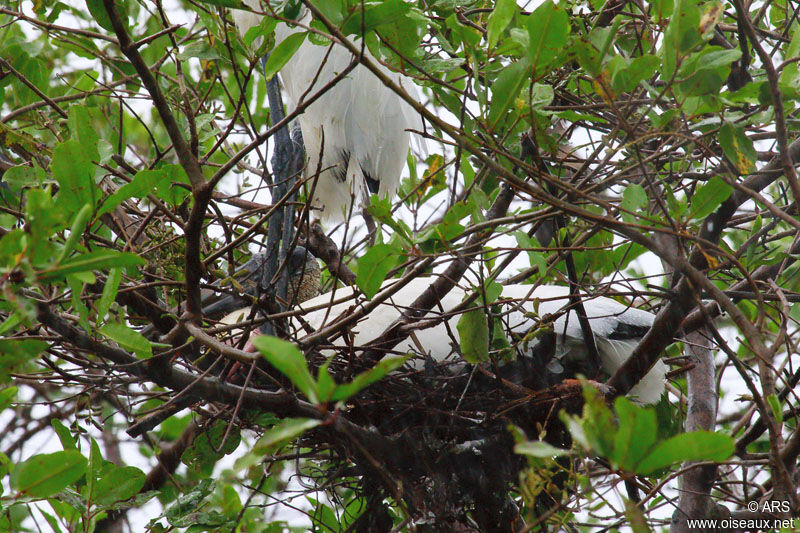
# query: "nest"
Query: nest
442,435
438,437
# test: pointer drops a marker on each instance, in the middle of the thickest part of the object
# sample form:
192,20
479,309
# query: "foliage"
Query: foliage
630,440
657,140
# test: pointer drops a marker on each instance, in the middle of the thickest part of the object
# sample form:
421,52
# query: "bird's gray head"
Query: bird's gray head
304,282
305,276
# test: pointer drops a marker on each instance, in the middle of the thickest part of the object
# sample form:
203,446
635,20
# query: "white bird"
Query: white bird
356,133
617,328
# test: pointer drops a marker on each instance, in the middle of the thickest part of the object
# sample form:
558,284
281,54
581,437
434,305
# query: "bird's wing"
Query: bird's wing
608,318
384,315
619,325
618,328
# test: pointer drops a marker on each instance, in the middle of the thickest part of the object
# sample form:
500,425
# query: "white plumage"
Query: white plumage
617,328
356,133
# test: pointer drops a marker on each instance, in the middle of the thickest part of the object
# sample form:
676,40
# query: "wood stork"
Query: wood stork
356,133
617,328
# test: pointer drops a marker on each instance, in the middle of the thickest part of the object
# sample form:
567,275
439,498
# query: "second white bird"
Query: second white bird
617,328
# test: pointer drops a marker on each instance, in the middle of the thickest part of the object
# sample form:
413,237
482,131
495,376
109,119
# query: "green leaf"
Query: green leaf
184,512
231,504
501,15
99,14
595,429
634,200
636,434
11,323
265,27
790,75
236,4
5,467
82,128
636,519
43,217
538,448
491,291
365,379
16,353
713,57
708,197
404,34
375,14
625,253
775,407
142,184
680,36
283,433
210,446
198,50
20,177
7,397
738,148
440,66
676,208
626,76
324,517
548,31
51,520
695,446
705,72
95,465
506,88
381,209
373,267
466,34
110,289
536,259
169,189
97,260
588,56
450,227
73,168
282,53
128,339
473,334
500,346
76,288
43,475
325,383
118,484
541,95
64,435
330,9
77,228
290,362
12,136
